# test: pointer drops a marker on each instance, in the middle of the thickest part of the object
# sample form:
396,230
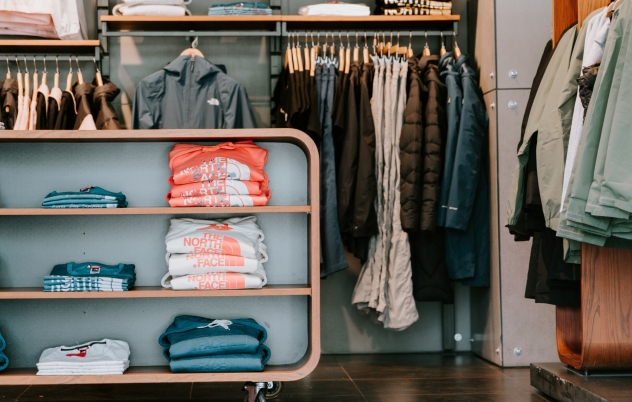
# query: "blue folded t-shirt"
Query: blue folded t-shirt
240,362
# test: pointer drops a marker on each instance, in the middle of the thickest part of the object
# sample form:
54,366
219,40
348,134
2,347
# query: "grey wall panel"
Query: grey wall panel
31,326
140,171
526,325
486,302
483,38
522,30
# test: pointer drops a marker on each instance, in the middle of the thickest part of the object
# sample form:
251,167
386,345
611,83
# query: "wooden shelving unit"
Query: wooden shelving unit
154,292
162,374
155,211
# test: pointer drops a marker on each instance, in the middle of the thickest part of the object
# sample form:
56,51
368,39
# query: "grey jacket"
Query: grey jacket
191,93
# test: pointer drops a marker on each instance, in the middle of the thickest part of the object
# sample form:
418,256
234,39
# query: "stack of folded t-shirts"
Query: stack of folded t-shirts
90,277
414,7
252,8
91,358
55,19
88,197
222,254
4,360
223,175
205,345
172,8
334,8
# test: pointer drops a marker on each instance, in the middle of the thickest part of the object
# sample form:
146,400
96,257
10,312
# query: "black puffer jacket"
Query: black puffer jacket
410,152
433,97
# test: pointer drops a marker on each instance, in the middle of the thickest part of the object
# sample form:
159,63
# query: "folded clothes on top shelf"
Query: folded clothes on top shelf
90,277
172,8
251,8
88,197
4,360
414,7
92,358
198,344
335,8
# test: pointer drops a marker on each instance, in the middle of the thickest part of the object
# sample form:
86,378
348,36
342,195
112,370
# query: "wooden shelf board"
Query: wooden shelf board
373,18
153,211
150,292
192,22
153,374
48,46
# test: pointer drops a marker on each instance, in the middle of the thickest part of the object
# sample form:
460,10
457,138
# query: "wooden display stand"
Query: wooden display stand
598,334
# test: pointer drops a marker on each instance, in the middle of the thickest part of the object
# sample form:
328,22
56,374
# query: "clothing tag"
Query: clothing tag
213,102
218,323
94,269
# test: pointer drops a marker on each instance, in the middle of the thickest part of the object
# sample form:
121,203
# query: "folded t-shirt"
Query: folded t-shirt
242,362
202,263
224,200
214,187
95,270
216,281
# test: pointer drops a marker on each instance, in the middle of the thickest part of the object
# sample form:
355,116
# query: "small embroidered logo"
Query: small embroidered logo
94,269
213,102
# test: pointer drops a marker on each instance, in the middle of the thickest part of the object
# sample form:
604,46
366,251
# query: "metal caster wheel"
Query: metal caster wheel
274,389
256,391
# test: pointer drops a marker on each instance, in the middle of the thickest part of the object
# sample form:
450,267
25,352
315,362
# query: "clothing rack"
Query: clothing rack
596,335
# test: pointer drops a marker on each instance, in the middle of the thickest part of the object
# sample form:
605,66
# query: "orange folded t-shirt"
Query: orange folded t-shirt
215,187
243,160
224,200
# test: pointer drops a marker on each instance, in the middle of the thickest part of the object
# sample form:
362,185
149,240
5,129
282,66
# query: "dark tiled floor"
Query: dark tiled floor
347,378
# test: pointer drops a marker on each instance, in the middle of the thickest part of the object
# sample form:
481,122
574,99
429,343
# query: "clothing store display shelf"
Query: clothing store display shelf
299,358
272,25
51,47
154,211
157,292
157,374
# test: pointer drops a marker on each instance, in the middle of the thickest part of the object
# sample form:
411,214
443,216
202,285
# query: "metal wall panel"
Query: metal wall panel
522,30
526,325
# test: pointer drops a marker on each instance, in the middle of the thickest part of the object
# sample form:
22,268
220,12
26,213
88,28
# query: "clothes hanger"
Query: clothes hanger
8,69
312,57
374,44
341,66
348,55
69,78
45,74
27,80
79,73
288,55
308,63
443,49
365,51
56,76
356,50
193,50
332,49
457,51
426,51
20,79
394,47
402,51
97,73
35,81
293,52
411,52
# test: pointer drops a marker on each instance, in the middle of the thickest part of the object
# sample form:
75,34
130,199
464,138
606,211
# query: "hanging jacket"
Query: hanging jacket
83,95
106,118
191,93
410,151
40,107
586,84
53,107
67,115
434,94
466,205
9,96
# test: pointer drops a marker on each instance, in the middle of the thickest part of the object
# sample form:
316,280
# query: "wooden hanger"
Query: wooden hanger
27,80
8,69
443,49
392,49
79,73
401,50
457,51
348,55
356,50
69,77
341,66
45,73
308,63
426,51
312,57
97,74
365,52
56,75
35,80
288,57
410,53
293,53
193,51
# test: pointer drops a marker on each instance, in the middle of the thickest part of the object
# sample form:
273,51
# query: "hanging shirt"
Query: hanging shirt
67,112
53,108
40,107
106,118
9,96
191,92
83,95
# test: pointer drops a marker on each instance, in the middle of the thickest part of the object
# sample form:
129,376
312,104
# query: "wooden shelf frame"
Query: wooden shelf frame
162,374
154,211
155,292
273,25
84,50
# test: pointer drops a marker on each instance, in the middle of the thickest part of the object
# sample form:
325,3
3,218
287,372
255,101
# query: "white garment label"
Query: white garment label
94,269
213,102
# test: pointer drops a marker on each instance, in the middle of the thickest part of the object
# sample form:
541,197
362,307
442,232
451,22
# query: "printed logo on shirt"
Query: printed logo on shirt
204,260
218,280
216,227
213,243
81,352
94,269
213,102
219,168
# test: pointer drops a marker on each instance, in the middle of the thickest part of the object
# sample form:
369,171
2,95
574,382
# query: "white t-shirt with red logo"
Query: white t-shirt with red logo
92,358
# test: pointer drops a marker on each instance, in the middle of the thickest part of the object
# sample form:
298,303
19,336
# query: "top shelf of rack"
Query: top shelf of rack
51,46
115,25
